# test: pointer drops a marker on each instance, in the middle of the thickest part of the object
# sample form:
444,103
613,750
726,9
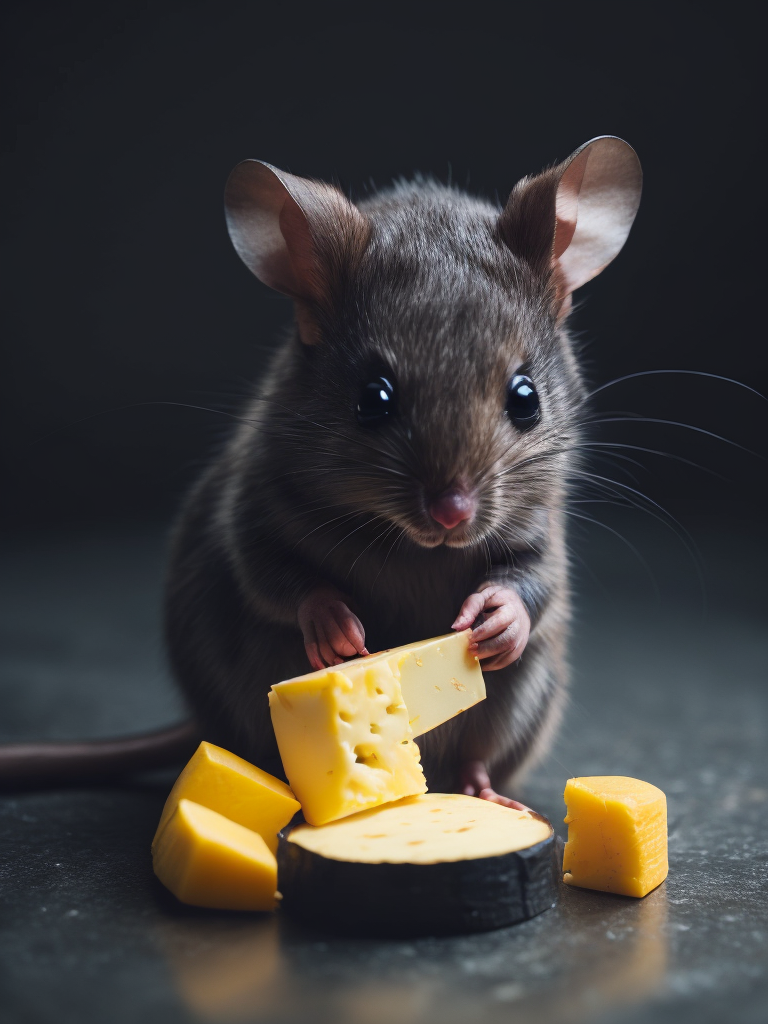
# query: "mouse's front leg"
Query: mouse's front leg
498,640
331,630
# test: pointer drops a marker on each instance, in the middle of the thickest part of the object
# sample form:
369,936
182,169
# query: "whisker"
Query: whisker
350,534
674,423
668,520
378,538
632,548
693,373
652,451
398,540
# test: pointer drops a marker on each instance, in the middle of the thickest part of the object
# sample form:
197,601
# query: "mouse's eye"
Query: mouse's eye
377,402
522,402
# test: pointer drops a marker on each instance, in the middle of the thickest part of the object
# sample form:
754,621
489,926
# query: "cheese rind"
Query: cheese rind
617,835
223,782
438,863
209,861
345,741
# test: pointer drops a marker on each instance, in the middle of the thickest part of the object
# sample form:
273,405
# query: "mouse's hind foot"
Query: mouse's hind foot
475,781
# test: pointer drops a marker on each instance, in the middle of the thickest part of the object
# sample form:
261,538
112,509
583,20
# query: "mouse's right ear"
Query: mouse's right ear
296,235
572,220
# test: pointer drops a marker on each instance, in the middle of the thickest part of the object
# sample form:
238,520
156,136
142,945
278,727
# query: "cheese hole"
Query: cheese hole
345,716
415,842
378,835
375,728
365,756
392,709
379,690
465,829
436,810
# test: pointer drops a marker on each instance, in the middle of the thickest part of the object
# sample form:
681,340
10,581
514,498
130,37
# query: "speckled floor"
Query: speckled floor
664,690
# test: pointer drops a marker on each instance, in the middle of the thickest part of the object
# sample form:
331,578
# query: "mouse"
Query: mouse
400,470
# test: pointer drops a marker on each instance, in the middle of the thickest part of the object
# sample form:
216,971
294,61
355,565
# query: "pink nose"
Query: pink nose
453,507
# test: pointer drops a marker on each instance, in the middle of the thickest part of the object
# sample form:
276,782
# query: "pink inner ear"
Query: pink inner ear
567,203
298,240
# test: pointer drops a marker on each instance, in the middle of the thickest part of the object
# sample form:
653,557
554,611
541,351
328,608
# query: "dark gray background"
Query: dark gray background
123,121
121,290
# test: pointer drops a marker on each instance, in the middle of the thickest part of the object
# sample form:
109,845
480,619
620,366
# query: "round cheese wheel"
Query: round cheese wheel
433,864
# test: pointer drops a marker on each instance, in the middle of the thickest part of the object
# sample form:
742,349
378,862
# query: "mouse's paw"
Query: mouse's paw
501,636
475,781
332,632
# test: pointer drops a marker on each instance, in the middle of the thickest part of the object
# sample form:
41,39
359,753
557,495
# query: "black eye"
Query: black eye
377,401
522,402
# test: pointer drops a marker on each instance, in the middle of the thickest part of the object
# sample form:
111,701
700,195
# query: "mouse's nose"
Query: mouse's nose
453,507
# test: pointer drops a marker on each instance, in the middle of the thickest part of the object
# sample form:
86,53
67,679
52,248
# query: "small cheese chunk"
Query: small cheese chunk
617,835
209,861
226,783
345,740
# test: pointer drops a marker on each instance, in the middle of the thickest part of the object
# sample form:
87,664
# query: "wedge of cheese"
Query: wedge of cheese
345,741
223,782
617,835
345,734
209,861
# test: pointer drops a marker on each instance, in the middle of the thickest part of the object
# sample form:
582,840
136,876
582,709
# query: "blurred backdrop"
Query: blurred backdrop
125,302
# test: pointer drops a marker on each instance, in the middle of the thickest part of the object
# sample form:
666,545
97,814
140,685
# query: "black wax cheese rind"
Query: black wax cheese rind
449,897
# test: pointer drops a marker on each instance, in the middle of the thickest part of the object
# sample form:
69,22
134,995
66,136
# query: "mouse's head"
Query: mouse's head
432,384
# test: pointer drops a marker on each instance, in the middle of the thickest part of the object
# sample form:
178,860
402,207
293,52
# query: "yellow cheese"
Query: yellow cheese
209,861
439,678
345,740
429,829
226,783
617,835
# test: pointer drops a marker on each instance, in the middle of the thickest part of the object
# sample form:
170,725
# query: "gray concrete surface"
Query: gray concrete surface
664,690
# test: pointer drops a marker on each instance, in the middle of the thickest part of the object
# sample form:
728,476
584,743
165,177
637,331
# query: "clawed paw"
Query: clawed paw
332,632
500,637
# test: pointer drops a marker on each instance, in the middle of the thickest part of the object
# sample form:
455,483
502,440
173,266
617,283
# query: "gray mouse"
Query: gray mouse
402,467
400,472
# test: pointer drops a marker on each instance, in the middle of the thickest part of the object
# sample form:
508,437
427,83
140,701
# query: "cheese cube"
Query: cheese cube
209,861
345,740
226,783
617,835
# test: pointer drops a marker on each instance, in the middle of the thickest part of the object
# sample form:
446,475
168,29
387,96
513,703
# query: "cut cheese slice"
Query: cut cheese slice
209,861
439,678
439,862
617,835
345,741
242,792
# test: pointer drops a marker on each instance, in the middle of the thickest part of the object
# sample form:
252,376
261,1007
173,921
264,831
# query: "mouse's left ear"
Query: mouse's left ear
574,218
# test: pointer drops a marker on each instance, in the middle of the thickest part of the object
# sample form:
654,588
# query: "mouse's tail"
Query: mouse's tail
50,765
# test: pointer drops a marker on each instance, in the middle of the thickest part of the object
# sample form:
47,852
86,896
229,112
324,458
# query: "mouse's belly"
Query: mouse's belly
416,596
